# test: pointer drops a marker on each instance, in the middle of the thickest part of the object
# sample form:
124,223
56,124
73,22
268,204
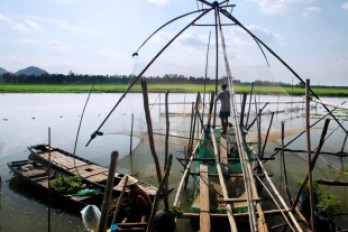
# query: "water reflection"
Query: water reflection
25,119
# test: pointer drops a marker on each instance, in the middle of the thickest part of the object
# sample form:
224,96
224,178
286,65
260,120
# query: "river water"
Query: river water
26,119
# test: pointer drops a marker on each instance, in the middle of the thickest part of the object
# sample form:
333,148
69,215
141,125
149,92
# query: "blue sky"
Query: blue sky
99,37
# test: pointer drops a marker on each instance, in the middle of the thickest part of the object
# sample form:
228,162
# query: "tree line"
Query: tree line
71,78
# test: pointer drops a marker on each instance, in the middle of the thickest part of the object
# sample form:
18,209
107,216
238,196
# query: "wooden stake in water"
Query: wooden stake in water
131,145
309,155
150,130
108,192
48,183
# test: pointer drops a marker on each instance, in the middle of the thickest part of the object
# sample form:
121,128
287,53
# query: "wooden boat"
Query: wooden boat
76,165
42,178
39,176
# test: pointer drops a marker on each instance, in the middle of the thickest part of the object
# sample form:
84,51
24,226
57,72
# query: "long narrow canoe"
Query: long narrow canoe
39,176
76,165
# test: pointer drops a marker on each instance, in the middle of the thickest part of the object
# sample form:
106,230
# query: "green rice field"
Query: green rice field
173,88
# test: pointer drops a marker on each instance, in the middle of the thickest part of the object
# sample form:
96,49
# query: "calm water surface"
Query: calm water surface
25,119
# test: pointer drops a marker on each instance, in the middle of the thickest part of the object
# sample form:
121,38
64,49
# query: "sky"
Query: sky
99,37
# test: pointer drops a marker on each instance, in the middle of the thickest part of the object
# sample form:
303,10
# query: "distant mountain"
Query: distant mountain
31,71
2,71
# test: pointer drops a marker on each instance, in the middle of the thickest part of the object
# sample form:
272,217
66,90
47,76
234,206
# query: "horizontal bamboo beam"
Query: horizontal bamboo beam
332,182
234,200
339,154
229,159
228,175
216,215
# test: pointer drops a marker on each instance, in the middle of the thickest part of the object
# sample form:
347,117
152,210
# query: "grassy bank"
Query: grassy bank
173,88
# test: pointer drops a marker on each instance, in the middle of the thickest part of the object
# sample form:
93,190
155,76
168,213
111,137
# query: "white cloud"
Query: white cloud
265,35
5,19
26,26
13,24
345,6
161,37
32,24
314,9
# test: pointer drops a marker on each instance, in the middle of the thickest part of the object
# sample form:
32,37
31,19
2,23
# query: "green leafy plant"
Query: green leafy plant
329,204
66,185
317,188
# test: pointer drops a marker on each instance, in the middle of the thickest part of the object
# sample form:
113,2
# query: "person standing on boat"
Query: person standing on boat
225,108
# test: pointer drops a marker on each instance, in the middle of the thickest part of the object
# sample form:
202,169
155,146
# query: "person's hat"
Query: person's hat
131,180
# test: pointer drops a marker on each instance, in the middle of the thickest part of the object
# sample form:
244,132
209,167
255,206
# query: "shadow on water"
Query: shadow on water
25,189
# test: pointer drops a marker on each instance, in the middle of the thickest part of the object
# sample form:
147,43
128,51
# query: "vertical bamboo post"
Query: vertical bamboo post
167,131
242,110
268,131
210,109
286,185
150,130
342,149
189,146
316,155
309,157
114,218
108,192
250,99
48,182
157,196
165,188
131,145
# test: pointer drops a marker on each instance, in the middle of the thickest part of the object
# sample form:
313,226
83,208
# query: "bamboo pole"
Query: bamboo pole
281,200
157,196
245,95
150,129
48,182
210,109
167,131
284,166
131,145
108,192
190,142
300,134
260,112
114,218
268,131
216,16
315,157
196,111
176,203
166,161
252,90
189,146
309,157
338,106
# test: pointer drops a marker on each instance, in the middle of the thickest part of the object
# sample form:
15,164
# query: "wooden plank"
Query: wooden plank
204,199
223,155
88,170
62,160
98,178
